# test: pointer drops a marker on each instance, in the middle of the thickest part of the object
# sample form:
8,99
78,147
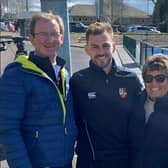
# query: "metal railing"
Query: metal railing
141,50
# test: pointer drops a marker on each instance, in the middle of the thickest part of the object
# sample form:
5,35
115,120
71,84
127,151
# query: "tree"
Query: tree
154,1
160,14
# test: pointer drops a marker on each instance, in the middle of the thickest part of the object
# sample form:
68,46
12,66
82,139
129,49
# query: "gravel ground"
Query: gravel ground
159,40
80,38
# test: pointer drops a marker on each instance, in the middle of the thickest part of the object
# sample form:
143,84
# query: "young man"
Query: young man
37,124
103,95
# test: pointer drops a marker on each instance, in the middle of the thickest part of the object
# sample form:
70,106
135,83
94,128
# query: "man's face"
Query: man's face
47,38
100,48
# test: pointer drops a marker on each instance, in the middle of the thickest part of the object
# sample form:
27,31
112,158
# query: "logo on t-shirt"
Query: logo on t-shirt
123,92
92,95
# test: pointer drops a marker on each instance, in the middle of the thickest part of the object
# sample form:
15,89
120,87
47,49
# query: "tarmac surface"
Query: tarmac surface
121,57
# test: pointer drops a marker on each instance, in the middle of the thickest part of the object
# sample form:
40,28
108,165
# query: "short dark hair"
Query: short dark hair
98,28
156,62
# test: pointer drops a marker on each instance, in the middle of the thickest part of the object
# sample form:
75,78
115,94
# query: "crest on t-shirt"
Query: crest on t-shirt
123,92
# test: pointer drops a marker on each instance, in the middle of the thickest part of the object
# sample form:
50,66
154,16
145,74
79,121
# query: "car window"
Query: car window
78,25
142,28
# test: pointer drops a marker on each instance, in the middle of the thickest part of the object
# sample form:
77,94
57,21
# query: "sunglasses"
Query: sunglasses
158,78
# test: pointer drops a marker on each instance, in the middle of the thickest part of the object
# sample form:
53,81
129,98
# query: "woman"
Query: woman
149,122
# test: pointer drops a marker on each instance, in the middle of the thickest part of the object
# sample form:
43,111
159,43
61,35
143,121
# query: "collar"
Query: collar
40,60
94,67
45,64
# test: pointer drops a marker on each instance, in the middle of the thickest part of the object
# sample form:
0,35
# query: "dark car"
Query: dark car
77,27
5,20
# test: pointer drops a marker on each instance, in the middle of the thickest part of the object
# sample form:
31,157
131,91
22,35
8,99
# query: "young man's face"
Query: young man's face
47,38
100,48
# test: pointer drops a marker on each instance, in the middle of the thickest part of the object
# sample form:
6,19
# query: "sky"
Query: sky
34,5
145,5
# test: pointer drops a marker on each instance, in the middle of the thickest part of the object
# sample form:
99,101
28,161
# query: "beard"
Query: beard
103,61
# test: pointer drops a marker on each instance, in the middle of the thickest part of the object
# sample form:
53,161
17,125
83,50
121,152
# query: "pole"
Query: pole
111,11
27,7
98,10
101,7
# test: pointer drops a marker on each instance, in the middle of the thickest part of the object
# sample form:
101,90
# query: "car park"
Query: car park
77,27
142,29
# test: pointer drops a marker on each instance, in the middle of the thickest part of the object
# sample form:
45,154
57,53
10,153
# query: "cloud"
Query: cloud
145,5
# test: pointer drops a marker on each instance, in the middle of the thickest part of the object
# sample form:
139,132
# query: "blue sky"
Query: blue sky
145,5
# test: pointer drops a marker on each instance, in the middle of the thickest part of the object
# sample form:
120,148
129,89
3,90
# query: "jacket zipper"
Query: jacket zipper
37,132
34,73
90,141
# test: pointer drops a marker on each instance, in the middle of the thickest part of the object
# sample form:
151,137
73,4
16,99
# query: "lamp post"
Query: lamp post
146,46
27,6
121,11
147,6
99,10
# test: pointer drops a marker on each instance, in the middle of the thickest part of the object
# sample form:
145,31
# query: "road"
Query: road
79,59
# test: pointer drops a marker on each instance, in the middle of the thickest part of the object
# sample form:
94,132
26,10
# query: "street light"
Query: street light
27,6
99,10
148,7
121,12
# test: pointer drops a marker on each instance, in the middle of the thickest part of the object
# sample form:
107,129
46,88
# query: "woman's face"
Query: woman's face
156,84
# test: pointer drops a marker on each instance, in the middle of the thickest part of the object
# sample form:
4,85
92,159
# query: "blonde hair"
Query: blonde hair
46,17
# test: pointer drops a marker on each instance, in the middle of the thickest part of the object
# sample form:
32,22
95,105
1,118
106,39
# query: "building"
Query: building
83,13
116,15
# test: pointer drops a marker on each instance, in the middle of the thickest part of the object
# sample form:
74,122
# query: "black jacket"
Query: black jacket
103,104
149,142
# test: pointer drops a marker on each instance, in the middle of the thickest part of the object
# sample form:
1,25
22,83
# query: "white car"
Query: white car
142,29
3,26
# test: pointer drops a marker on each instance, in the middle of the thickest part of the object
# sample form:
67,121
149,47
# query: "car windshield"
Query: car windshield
143,28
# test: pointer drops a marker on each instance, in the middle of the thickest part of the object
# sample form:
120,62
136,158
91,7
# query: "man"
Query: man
37,126
103,95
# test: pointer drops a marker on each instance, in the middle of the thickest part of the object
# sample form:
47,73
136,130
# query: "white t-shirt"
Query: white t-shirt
57,70
149,108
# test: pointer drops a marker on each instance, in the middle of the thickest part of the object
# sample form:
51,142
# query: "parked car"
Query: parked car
142,29
77,27
6,25
11,27
4,20
3,26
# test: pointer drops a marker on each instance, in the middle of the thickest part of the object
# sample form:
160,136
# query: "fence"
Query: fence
142,46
